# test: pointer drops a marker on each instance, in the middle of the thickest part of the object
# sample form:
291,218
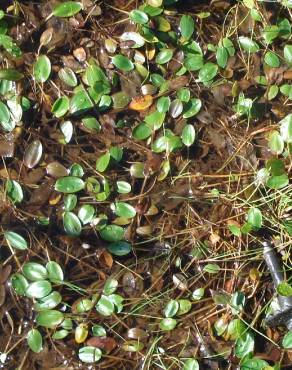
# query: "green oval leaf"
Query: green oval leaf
15,240
68,76
167,324
284,289
34,271
188,135
48,302
86,213
61,106
105,306
55,272
69,184
72,224
192,108
254,217
35,340
288,54
123,63
112,233
19,283
211,268
38,289
10,74
89,354
248,44
123,209
119,248
67,9
42,69
191,364
287,340
171,308
187,26
138,16
103,162
164,56
49,318
272,60
208,72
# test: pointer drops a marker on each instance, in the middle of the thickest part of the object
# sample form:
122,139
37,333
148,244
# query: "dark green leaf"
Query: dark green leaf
19,283
61,106
119,248
10,74
103,162
192,108
208,72
284,289
188,135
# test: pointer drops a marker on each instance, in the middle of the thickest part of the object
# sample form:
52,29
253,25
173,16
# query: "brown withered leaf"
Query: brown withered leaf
107,344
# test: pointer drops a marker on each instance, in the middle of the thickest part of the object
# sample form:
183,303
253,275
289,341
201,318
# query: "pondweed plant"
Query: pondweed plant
146,154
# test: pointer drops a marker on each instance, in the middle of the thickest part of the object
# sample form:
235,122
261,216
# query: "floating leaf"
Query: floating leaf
138,16
49,318
55,272
184,306
192,108
48,302
287,340
123,209
167,324
288,54
248,44
80,102
272,60
67,9
191,364
112,233
123,187
35,340
103,162
86,213
105,306
19,283
69,184
34,271
89,354
42,69
254,217
98,331
68,76
15,240
14,191
171,308
208,72
61,106
187,26
119,248
72,224
122,62
284,289
164,56
188,135
10,74
211,268
38,289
